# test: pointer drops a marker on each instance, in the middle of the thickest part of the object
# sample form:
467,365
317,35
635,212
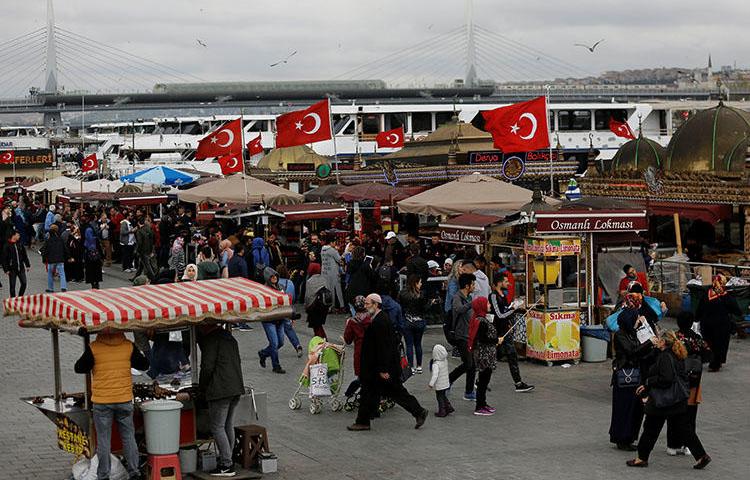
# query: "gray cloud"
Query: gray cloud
244,37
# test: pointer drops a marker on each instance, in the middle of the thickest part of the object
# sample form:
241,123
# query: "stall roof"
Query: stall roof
151,306
324,193
377,192
57,183
694,211
311,211
240,189
471,221
123,198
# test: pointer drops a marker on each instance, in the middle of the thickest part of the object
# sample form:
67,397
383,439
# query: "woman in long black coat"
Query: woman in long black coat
627,408
92,256
715,314
74,266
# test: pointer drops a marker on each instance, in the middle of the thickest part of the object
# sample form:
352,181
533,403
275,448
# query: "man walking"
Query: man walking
55,254
331,269
144,246
15,264
109,359
380,369
222,384
461,316
127,243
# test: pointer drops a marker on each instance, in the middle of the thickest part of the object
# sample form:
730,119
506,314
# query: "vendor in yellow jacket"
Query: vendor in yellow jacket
109,359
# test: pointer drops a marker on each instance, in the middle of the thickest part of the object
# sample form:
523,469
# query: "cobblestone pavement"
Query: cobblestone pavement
558,430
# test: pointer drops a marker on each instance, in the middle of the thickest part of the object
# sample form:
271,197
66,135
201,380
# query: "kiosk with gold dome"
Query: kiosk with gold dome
553,299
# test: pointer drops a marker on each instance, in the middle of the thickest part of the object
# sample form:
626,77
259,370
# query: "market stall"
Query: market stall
553,299
143,308
239,189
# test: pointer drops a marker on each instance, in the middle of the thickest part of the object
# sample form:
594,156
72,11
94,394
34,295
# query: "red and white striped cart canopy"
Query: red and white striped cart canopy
151,306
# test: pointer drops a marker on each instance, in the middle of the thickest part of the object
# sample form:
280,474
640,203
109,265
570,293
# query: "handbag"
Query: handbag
677,392
406,371
628,377
319,384
693,365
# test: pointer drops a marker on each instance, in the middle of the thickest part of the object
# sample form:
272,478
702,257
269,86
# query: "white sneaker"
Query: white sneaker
678,451
136,373
419,370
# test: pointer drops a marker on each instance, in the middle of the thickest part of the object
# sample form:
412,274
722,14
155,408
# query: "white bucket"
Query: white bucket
161,421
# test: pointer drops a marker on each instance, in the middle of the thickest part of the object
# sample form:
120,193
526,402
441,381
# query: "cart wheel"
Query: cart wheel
336,405
294,403
315,408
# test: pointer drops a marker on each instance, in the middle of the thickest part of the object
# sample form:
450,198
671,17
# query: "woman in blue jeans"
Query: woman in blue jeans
274,329
412,324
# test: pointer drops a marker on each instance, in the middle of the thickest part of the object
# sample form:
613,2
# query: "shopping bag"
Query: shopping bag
319,385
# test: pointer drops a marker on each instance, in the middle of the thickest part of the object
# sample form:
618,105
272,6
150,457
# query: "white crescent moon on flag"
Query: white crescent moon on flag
89,163
230,137
233,164
6,156
315,128
532,119
394,141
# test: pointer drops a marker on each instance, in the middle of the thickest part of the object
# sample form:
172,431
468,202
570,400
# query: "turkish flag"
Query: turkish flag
8,157
231,164
391,138
621,129
254,146
521,127
224,141
300,127
90,163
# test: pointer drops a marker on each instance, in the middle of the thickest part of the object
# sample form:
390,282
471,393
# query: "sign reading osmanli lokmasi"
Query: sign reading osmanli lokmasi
582,221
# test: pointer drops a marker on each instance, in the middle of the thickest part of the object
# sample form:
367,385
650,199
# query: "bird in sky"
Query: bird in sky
286,60
200,42
591,48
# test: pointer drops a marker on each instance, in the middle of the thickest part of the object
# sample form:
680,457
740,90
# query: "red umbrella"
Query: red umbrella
377,192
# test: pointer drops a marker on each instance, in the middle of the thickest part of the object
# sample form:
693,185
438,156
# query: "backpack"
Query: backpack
324,297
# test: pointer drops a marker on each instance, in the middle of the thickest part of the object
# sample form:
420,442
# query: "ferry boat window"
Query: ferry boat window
421,122
258,126
576,120
189,129
441,118
394,120
601,117
343,125
370,124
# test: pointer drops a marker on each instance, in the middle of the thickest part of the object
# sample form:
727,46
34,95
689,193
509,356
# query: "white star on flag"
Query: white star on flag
514,128
298,125
214,139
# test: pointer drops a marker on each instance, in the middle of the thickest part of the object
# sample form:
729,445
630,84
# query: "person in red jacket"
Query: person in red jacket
355,328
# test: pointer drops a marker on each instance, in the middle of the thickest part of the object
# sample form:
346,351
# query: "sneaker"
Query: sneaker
243,327
419,370
470,397
490,409
522,387
262,359
223,472
300,351
483,412
678,451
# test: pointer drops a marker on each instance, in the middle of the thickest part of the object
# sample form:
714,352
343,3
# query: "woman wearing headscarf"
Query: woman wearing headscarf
483,344
354,332
715,314
177,257
190,274
225,254
627,408
317,300
92,254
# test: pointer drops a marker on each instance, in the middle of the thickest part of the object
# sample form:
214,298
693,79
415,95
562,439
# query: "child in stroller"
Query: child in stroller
331,355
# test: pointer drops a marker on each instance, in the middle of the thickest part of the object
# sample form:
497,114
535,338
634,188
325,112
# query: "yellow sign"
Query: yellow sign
71,438
553,336
552,247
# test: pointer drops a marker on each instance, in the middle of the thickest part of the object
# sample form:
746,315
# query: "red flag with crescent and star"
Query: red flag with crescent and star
391,138
301,127
225,140
231,163
254,146
621,129
521,127
90,163
8,157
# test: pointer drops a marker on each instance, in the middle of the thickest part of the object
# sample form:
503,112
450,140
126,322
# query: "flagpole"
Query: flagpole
333,134
242,150
551,172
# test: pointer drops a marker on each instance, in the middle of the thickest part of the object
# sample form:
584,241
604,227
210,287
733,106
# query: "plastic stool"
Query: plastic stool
250,441
164,467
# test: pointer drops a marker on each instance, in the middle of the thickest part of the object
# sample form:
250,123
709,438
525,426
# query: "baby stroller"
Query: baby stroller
352,399
331,355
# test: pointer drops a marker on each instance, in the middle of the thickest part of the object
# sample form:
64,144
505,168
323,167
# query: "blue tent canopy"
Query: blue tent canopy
160,176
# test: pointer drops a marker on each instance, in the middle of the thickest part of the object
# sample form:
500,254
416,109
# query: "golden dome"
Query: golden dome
639,154
714,139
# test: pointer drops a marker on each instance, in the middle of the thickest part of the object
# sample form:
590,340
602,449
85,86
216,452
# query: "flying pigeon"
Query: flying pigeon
286,60
591,48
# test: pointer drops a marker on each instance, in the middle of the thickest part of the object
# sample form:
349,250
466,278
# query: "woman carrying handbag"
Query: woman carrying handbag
665,394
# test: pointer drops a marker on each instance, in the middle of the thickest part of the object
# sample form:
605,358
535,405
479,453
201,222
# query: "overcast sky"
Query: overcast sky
243,37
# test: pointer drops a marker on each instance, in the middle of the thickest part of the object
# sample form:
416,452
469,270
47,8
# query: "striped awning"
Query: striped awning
151,306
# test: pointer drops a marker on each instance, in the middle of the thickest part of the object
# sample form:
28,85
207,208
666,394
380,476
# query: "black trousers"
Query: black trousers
482,381
680,423
673,440
127,256
21,276
508,350
467,367
371,393
442,399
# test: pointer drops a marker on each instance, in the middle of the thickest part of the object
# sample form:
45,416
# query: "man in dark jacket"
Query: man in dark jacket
55,254
222,385
362,278
416,265
237,265
145,241
15,264
380,369
461,316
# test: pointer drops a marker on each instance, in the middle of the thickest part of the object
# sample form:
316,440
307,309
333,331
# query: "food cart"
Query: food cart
553,300
149,307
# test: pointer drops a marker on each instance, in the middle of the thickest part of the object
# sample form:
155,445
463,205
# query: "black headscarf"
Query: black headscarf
626,319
